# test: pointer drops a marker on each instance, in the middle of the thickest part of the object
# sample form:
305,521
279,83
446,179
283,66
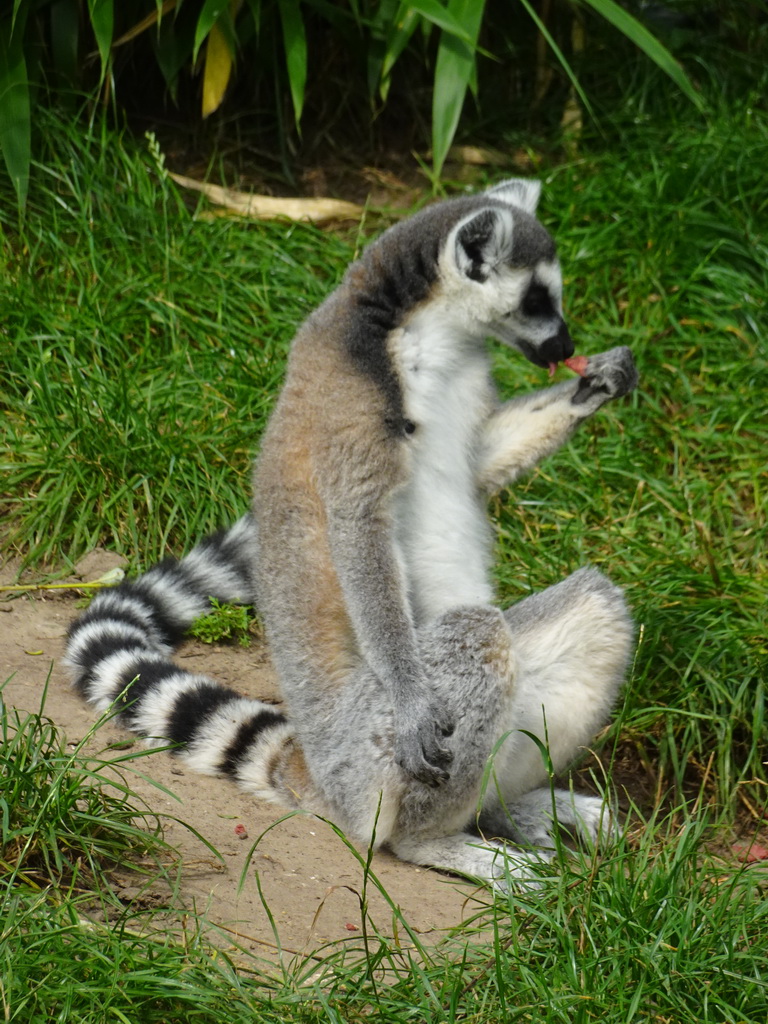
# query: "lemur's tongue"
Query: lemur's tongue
576,363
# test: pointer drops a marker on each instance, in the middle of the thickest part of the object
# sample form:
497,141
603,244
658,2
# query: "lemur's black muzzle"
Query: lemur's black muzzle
551,352
557,348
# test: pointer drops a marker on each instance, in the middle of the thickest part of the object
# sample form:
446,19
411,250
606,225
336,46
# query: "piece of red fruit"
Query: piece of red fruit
578,364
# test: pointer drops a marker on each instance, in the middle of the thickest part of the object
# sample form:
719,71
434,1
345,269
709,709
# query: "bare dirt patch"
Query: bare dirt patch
309,879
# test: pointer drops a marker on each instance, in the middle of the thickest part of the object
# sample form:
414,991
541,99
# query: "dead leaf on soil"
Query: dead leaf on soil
749,853
247,204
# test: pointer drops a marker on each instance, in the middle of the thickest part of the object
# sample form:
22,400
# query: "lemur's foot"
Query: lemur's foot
539,814
590,817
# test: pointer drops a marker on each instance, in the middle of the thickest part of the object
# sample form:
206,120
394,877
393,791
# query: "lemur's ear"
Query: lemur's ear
520,192
482,241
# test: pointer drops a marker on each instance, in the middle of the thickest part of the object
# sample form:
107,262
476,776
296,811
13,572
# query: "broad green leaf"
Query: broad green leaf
458,18
210,14
103,23
172,46
218,70
295,43
648,43
454,71
15,118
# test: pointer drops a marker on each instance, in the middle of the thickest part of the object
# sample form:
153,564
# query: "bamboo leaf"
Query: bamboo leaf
102,17
15,115
153,18
172,44
398,37
560,56
458,18
218,70
454,71
255,8
210,14
295,43
648,43
20,10
379,26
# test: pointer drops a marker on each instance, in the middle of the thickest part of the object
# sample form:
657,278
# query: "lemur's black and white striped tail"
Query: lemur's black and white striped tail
120,652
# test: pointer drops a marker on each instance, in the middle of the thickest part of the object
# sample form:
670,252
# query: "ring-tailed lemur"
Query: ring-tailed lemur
367,554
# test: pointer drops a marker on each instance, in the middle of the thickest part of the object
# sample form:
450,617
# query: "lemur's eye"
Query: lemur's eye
537,302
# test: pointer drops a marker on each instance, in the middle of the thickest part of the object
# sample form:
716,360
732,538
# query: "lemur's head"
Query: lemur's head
510,264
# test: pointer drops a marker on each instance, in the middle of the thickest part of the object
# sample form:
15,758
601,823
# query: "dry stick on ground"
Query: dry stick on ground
246,204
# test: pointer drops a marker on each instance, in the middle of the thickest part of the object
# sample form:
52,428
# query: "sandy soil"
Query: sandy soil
310,881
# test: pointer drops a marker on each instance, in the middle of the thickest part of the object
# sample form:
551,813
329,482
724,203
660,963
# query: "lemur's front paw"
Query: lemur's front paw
419,746
607,375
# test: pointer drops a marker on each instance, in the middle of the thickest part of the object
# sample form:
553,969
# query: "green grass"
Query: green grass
658,928
57,964
668,493
61,823
67,821
647,934
141,353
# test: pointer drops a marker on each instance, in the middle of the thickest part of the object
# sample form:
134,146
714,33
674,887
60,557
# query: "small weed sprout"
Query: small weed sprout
225,623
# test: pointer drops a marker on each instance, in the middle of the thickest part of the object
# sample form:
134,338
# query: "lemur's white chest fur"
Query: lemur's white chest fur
441,529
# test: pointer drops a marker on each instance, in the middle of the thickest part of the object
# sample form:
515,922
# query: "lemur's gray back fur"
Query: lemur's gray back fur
367,552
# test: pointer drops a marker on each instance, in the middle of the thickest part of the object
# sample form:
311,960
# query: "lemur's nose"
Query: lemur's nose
558,347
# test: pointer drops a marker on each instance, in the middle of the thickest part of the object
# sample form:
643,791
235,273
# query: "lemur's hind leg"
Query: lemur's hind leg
491,671
572,644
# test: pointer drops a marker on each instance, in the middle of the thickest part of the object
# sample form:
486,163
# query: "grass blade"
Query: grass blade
648,43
